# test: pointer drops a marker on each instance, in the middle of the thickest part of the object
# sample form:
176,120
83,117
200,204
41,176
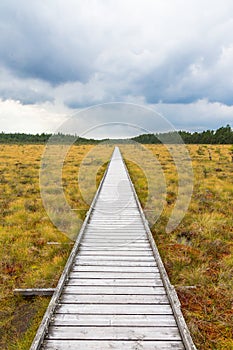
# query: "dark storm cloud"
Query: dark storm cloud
33,45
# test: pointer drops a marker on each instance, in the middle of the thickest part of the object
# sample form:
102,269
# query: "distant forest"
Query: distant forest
21,138
223,135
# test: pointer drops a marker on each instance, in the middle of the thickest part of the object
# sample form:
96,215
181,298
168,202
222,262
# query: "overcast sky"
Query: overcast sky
59,56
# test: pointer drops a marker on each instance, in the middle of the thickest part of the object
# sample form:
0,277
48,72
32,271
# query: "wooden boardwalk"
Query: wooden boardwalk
114,292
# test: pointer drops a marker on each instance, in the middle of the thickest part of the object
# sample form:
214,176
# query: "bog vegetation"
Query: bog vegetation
197,255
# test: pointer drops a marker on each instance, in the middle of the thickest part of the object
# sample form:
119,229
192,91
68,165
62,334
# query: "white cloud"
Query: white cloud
199,115
15,117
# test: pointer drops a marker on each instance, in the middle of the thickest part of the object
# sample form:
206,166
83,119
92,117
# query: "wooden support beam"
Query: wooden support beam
30,292
59,243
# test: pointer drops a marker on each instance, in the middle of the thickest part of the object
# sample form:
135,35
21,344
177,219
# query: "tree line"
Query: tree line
22,138
223,135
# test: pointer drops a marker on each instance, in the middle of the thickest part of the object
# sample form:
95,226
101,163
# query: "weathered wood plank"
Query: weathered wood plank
116,245
124,259
116,299
114,290
118,309
120,274
79,268
112,241
120,233
122,224
117,235
135,224
112,345
114,333
115,248
29,292
116,238
117,253
125,217
120,229
107,240
109,219
111,231
114,282
114,320
113,263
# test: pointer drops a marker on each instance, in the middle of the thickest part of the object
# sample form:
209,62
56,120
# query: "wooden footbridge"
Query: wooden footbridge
114,292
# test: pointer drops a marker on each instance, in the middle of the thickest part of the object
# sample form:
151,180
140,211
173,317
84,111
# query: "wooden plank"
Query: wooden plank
108,220
120,233
112,345
149,282
115,248
114,320
106,239
114,333
116,299
60,243
131,229
115,245
116,237
79,268
113,290
124,215
125,228
123,259
120,274
118,309
116,253
115,208
132,237
88,262
125,225
128,223
29,292
117,229
94,240
118,211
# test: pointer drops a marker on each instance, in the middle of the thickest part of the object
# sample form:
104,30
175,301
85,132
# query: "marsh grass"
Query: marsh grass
139,180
